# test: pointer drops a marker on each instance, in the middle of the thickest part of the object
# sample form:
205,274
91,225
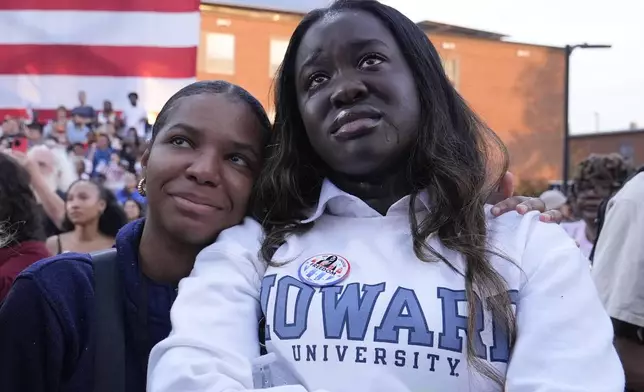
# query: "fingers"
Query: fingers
551,216
506,187
521,204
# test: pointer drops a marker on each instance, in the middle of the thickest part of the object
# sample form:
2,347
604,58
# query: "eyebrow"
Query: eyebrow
357,44
197,132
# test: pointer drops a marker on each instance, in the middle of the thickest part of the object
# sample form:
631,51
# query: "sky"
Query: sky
606,85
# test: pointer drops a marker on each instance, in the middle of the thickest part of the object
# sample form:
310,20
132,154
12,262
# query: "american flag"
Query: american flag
52,49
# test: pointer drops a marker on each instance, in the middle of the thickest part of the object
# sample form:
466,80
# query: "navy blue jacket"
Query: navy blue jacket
47,324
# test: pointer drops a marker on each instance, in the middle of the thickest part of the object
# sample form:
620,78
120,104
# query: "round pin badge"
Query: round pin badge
324,270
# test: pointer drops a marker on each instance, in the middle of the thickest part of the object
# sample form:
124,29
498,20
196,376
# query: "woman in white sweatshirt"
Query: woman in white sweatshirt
377,264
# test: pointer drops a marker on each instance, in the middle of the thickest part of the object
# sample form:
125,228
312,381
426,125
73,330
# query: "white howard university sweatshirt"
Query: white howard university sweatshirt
395,323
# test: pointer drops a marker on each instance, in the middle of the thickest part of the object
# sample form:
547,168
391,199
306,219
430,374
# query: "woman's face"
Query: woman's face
201,167
356,94
132,210
83,203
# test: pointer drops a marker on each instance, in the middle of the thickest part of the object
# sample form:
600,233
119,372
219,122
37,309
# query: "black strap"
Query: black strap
109,360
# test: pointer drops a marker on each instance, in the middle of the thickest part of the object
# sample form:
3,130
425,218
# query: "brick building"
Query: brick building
629,143
516,88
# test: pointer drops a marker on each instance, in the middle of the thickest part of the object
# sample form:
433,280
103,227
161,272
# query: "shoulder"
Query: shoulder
238,246
68,274
527,240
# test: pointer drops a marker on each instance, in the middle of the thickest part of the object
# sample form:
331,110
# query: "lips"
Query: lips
196,199
353,120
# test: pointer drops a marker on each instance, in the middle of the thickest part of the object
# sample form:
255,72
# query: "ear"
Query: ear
144,159
102,205
506,186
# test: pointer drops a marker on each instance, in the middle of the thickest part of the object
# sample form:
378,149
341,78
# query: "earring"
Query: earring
141,187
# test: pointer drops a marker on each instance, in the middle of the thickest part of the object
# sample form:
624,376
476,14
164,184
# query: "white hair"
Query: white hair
64,169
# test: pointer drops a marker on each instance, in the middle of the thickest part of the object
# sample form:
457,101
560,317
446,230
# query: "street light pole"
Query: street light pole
566,144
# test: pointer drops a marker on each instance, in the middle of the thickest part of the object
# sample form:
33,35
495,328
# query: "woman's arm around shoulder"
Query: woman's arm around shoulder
564,336
215,320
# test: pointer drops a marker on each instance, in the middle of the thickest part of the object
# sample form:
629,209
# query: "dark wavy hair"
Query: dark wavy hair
113,217
456,158
212,87
19,213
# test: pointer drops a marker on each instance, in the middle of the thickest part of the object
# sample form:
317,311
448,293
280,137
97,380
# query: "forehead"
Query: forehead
219,116
341,30
83,186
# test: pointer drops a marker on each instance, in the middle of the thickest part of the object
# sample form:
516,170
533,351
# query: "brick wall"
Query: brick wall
517,89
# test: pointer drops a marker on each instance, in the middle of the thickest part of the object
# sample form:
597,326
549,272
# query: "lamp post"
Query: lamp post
566,149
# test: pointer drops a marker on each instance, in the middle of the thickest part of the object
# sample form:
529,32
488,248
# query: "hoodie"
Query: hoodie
47,321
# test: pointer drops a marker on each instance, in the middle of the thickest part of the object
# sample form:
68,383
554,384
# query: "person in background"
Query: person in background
57,128
377,165
101,154
78,154
107,115
556,200
84,114
130,191
135,115
35,134
115,172
77,130
618,272
93,217
133,210
51,173
597,178
20,223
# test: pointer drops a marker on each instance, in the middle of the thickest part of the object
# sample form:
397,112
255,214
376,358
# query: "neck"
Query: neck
162,258
591,232
378,191
88,232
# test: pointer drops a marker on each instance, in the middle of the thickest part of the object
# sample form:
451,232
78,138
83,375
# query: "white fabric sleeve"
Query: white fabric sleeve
215,319
619,261
564,336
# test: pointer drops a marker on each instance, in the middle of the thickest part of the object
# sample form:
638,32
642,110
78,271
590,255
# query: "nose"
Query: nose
348,91
206,170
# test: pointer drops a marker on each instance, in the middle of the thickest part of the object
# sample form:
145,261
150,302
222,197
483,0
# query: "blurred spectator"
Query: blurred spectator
84,113
101,154
133,210
58,128
10,127
35,134
598,177
115,172
92,219
108,115
135,115
77,130
51,174
78,154
130,191
21,227
618,269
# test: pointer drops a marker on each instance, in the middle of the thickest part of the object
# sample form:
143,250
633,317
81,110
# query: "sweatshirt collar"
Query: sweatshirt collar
336,202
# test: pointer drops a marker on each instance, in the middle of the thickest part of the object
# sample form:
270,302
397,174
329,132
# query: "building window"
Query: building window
278,50
220,54
452,71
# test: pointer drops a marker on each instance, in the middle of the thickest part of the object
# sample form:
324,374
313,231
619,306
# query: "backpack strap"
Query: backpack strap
109,360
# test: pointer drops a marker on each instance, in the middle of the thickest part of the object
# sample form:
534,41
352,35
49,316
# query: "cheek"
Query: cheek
239,187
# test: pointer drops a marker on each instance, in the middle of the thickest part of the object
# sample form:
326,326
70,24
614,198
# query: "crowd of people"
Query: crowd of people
366,240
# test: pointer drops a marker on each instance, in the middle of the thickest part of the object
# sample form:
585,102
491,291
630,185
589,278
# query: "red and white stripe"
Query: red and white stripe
51,49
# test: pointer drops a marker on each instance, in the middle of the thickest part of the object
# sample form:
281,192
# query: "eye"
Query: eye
239,160
179,141
371,60
316,79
